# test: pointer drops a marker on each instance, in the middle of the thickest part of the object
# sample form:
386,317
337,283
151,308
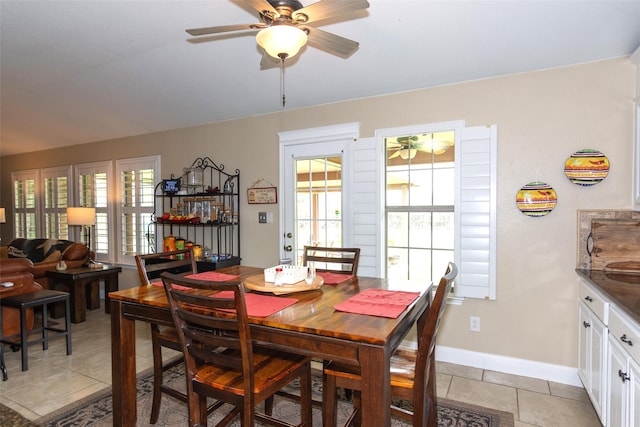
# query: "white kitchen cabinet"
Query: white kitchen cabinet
618,389
623,371
592,358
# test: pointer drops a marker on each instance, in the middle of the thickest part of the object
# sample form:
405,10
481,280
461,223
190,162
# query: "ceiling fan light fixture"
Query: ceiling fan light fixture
281,41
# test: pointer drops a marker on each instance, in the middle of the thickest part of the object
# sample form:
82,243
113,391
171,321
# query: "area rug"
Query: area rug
96,410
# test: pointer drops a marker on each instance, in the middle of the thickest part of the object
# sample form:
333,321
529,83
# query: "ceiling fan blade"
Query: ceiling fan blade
264,7
222,29
330,42
394,155
328,9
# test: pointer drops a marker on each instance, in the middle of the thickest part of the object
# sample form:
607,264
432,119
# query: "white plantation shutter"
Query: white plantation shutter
475,212
365,200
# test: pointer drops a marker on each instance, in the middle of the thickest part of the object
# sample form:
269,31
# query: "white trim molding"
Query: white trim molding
510,365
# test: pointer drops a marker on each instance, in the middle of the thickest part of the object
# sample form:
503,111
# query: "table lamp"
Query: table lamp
86,218
3,219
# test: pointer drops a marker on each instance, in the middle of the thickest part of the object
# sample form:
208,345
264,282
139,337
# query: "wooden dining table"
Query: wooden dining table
311,326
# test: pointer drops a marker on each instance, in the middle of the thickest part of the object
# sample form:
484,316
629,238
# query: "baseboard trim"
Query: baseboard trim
509,365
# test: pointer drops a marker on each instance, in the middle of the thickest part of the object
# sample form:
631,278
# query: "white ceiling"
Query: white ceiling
73,72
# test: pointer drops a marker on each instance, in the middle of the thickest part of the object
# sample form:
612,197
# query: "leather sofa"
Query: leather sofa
18,272
45,254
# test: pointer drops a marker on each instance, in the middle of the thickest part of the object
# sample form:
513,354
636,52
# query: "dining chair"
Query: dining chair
413,374
334,260
150,266
221,359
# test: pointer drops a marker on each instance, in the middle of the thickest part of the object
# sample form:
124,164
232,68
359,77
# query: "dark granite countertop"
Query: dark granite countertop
623,289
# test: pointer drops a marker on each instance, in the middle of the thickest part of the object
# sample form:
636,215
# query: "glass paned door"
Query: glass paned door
318,216
313,204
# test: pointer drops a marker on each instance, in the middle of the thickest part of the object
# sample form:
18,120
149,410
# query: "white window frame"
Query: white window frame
382,135
62,230
91,169
475,248
141,163
19,214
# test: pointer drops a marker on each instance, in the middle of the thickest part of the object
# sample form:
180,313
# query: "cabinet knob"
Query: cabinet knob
588,298
586,324
626,340
623,375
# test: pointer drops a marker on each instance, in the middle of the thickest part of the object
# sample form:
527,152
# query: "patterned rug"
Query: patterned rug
96,410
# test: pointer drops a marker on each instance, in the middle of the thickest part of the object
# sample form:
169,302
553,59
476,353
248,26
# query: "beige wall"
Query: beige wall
542,118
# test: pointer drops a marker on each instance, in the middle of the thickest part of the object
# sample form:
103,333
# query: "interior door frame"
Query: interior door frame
307,138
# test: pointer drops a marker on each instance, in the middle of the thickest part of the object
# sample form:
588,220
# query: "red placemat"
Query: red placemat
260,305
333,278
378,302
213,276
177,287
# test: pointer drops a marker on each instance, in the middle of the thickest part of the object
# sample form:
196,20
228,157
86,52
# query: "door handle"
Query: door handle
288,248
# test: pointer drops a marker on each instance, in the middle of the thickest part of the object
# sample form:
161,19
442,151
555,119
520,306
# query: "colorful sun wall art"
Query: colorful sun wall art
536,199
586,167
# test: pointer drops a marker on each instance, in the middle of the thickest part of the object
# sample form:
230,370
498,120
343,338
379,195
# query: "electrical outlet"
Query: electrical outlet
262,217
474,324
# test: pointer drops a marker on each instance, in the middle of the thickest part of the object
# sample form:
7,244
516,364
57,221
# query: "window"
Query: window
419,207
93,192
56,196
137,178
25,203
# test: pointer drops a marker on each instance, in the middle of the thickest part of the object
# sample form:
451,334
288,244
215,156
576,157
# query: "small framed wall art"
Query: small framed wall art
262,195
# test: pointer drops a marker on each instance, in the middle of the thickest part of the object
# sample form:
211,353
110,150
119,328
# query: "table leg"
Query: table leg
376,388
110,285
123,367
78,301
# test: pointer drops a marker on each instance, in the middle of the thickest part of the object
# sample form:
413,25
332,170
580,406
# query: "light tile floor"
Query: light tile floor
54,380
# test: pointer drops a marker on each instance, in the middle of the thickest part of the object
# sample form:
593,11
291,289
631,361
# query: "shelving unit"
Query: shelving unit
201,207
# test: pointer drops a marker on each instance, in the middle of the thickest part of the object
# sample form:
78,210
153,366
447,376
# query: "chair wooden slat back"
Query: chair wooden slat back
428,324
151,266
204,329
335,260
221,361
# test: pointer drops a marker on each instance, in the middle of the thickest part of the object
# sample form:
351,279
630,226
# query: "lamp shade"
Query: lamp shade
81,216
281,41
3,218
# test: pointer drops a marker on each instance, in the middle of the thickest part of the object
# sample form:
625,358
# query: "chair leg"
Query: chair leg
67,323
45,328
23,338
268,405
306,404
432,420
329,401
157,375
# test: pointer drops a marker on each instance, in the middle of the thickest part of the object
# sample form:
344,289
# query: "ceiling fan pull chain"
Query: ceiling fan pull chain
282,81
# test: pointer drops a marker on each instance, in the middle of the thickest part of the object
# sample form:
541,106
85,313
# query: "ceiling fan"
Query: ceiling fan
284,27
406,147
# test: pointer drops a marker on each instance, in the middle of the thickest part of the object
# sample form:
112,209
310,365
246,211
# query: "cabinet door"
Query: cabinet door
592,360
597,366
583,344
618,389
634,391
